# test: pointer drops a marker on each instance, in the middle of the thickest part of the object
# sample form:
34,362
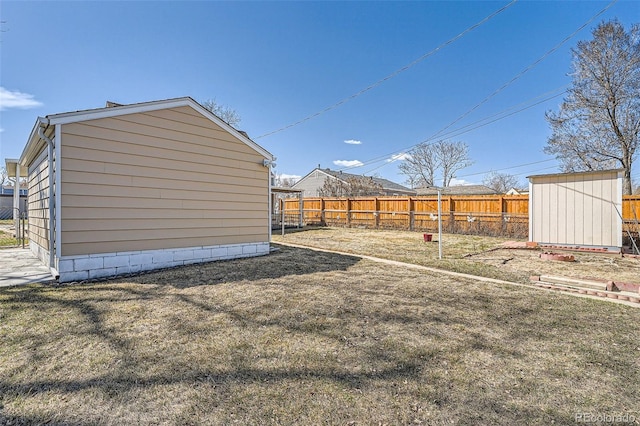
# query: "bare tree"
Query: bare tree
4,176
353,186
598,124
420,166
284,182
225,113
452,157
500,182
412,181
426,160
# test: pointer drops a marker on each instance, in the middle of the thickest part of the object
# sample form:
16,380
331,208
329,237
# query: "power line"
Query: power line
527,69
390,76
459,131
536,170
520,74
513,167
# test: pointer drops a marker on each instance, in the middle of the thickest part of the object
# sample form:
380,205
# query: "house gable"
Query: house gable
35,143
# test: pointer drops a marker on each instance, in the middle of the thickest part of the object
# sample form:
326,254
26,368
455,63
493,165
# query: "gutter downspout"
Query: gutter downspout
16,203
50,150
269,163
270,219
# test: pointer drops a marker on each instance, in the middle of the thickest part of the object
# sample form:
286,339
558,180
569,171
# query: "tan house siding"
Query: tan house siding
577,209
163,179
38,202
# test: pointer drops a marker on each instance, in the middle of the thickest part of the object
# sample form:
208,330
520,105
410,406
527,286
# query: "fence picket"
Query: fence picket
505,215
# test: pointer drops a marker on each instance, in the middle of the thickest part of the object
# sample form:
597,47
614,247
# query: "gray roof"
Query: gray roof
457,190
384,183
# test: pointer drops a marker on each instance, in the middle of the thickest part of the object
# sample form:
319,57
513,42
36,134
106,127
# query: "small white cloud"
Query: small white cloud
399,157
15,99
353,142
348,163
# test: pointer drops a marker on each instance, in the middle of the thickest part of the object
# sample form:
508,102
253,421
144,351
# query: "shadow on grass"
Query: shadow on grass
284,262
391,333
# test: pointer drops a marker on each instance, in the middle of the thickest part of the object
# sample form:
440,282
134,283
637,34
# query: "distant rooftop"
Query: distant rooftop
384,183
457,190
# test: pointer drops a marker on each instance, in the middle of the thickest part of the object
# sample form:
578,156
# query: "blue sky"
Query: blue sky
276,63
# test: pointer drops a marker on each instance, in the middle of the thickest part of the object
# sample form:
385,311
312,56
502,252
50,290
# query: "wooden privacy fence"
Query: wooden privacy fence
484,214
504,215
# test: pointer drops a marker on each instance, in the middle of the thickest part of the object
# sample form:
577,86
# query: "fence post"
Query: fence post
452,215
323,219
503,211
377,213
300,210
411,215
348,207
282,206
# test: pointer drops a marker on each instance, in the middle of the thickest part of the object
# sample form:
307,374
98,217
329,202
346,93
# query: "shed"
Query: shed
576,209
128,188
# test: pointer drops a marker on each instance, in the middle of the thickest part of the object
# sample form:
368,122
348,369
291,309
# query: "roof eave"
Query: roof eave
11,165
94,114
577,173
35,143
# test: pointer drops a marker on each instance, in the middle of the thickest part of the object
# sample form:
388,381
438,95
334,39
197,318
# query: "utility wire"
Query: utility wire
501,115
459,131
507,84
513,167
536,170
390,76
527,69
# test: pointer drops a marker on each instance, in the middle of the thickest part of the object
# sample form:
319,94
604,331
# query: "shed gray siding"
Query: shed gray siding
577,209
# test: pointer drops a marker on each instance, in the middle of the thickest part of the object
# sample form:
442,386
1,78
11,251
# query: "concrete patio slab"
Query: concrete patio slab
20,266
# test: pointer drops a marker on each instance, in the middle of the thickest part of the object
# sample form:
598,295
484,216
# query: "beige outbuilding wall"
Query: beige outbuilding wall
577,209
38,205
161,179
144,186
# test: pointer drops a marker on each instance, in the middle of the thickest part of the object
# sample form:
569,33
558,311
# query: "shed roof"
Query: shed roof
590,172
35,143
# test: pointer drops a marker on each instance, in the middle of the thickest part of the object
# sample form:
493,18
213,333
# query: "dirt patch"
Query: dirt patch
599,266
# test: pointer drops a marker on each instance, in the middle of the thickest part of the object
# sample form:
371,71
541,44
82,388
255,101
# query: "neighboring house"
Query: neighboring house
312,183
457,190
144,186
7,201
577,209
517,191
8,190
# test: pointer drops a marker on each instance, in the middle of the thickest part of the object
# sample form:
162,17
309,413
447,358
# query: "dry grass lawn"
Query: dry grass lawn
476,255
302,337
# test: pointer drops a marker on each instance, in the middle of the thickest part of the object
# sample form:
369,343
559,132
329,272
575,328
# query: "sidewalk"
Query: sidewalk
19,267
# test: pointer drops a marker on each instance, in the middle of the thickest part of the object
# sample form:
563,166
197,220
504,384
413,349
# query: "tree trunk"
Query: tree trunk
627,185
